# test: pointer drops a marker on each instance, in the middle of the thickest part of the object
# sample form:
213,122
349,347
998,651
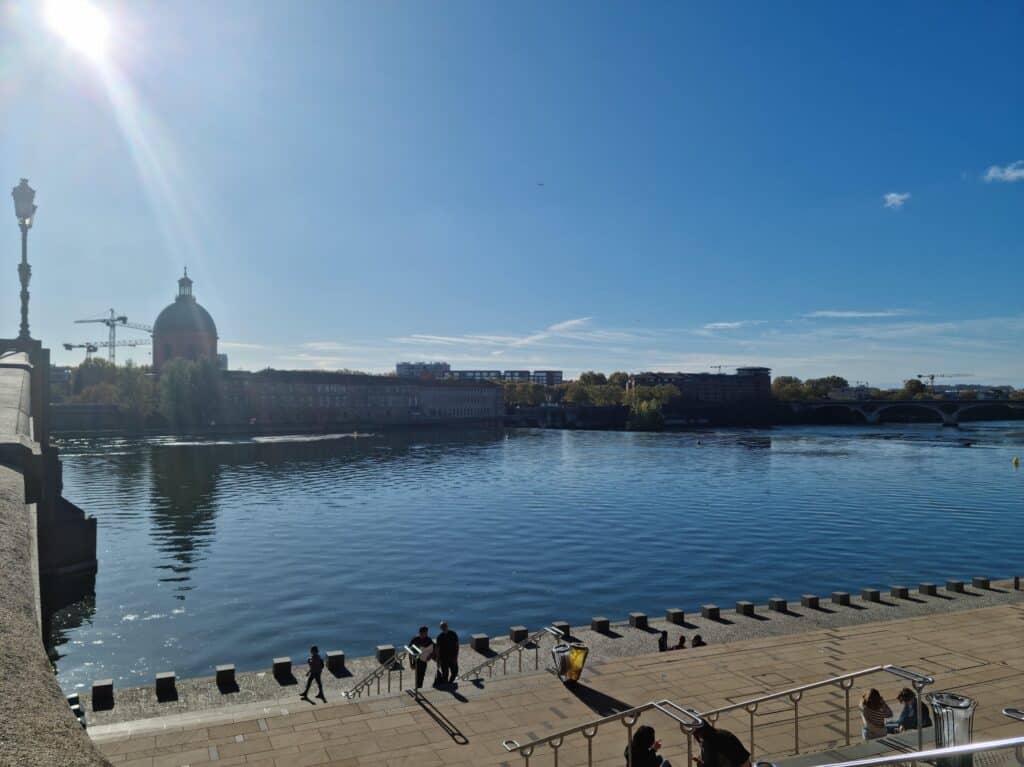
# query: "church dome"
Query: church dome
185,314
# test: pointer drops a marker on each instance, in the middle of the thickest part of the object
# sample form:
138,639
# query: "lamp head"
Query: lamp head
24,207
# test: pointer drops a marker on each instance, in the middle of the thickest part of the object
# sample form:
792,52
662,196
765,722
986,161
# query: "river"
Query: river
238,551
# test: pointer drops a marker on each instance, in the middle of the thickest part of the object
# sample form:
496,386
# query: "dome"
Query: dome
185,314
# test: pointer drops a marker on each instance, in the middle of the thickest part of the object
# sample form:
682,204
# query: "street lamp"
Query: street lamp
25,210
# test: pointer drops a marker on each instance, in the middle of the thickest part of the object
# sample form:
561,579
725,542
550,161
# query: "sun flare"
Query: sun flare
81,24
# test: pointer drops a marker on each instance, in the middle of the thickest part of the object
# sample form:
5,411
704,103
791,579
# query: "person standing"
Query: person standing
642,751
663,642
426,648
447,654
316,668
719,748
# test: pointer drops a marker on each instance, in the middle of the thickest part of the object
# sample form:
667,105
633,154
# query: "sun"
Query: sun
81,24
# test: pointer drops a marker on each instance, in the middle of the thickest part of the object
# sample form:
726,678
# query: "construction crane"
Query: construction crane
932,376
717,368
113,321
91,347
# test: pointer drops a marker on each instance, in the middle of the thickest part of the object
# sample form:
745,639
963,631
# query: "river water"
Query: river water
237,551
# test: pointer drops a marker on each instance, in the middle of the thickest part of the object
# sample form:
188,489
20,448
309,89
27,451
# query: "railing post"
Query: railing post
590,745
847,684
689,748
555,746
795,697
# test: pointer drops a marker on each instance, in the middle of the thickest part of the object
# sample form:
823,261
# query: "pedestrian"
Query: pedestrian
426,648
316,668
447,654
663,642
681,644
907,720
719,748
698,642
873,713
642,751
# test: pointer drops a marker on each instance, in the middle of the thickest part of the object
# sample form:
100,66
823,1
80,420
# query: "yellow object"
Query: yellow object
577,659
1016,461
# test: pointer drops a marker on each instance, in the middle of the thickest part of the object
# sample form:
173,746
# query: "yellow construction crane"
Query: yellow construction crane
91,347
932,376
113,321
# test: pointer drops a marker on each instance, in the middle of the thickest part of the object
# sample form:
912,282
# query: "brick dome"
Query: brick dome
184,329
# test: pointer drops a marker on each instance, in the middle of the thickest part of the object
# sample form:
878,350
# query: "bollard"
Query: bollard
745,608
981,582
809,600
225,676
711,612
840,598
282,667
564,627
517,633
956,586
778,604
900,592
638,620
871,595
675,616
165,685
102,694
335,661
600,624
1016,583
480,642
928,589
385,652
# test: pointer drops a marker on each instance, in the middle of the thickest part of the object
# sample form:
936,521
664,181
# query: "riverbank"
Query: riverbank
620,640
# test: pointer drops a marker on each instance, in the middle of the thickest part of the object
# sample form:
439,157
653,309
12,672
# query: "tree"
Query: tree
818,388
618,378
577,394
590,378
605,394
912,387
190,393
788,388
99,394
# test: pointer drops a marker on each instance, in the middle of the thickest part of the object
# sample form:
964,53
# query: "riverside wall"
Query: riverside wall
37,726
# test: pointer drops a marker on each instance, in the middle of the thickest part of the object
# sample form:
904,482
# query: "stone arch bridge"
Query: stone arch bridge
949,411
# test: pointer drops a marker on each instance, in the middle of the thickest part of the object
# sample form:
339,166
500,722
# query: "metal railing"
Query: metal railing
843,681
392,664
687,718
1016,713
794,694
518,647
929,755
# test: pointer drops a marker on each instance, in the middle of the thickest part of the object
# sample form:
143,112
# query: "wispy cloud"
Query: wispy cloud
895,200
239,345
732,325
1007,173
843,314
324,346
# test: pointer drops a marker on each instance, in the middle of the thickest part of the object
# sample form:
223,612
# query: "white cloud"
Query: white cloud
1008,173
732,325
324,346
839,314
239,345
895,200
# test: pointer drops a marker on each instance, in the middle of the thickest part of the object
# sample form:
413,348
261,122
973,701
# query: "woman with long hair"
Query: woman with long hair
873,713
643,750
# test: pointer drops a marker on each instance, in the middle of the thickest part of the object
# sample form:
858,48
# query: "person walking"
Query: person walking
873,713
447,654
642,751
426,648
719,748
316,668
663,642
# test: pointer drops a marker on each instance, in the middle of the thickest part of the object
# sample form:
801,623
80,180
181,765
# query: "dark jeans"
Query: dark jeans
448,669
421,671
309,683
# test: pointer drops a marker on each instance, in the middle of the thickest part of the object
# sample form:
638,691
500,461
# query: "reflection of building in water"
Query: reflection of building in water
184,508
58,624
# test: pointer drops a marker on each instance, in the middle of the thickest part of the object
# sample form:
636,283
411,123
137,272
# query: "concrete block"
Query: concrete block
638,620
927,589
955,586
900,592
225,675
103,694
981,582
675,616
711,612
73,699
600,624
165,685
480,642
871,595
777,604
809,600
282,667
385,652
564,627
335,661
517,633
745,608
840,598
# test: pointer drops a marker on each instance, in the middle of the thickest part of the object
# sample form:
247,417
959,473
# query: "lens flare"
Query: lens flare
80,24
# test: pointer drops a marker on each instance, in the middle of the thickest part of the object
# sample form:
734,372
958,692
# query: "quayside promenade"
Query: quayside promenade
975,651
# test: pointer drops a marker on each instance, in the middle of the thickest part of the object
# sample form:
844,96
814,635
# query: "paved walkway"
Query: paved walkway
977,652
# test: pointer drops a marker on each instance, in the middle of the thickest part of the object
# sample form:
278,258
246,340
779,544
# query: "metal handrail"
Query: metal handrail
629,717
474,673
925,756
687,718
395,662
844,682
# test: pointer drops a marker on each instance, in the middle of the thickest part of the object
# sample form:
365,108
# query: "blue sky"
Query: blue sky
816,187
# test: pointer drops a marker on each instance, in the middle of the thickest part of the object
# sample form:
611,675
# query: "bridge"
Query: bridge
949,412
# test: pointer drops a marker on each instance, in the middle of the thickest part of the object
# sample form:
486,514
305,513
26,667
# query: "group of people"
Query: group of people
877,717
681,644
718,748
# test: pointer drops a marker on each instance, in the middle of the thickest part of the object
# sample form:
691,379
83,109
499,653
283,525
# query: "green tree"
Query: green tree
99,394
577,394
618,378
911,388
788,388
818,388
605,394
591,378
190,393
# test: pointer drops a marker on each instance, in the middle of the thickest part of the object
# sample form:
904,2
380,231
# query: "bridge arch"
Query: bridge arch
939,413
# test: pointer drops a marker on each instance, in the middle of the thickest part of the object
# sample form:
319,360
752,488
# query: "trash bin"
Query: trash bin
953,717
560,657
577,660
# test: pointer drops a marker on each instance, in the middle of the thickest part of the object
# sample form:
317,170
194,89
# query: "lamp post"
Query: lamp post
25,210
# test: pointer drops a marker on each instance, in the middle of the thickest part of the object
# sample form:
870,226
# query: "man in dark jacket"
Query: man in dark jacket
447,654
426,648
719,748
316,668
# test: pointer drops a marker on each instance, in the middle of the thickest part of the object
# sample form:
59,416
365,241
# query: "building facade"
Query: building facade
319,398
475,375
546,377
749,383
184,330
436,370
